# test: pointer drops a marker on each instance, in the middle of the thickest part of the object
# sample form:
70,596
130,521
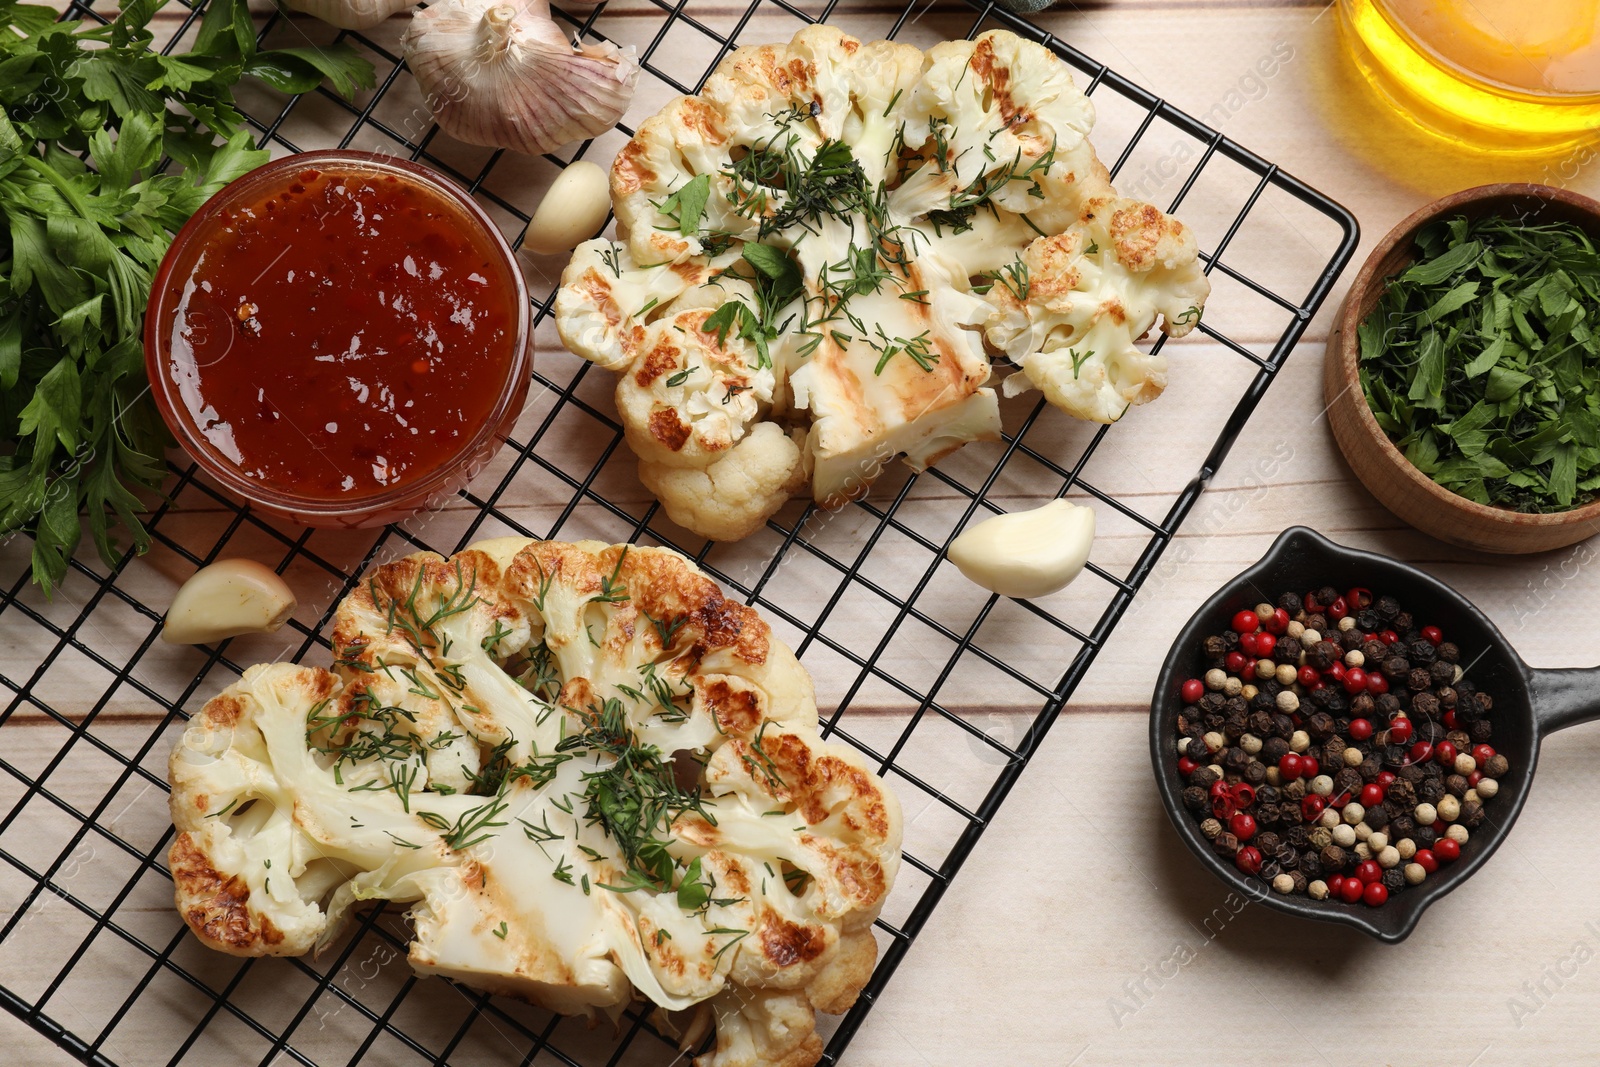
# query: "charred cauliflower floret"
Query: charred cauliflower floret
592,777
859,223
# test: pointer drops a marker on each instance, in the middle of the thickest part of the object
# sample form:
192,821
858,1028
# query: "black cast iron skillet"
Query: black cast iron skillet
1528,705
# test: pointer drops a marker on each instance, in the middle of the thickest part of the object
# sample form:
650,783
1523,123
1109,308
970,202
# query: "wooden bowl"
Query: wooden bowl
1386,473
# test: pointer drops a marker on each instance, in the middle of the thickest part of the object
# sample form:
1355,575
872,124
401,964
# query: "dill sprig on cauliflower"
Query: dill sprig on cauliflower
865,226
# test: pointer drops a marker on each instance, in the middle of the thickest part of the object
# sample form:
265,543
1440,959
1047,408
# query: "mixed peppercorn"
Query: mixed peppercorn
1334,748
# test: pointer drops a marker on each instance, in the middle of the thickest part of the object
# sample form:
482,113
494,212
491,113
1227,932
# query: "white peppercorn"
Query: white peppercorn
1322,785
1362,850
1296,630
1265,669
1215,742
1406,847
1310,639
1415,873
1216,678
1299,741
1273,776
1355,658
1285,674
1215,770
1265,611
1353,813
1330,819
1183,745
1250,743
1378,841
1232,686
1317,890
1457,833
1465,764
1449,808
1353,757
1344,835
1288,703
1249,692
1388,857
1211,828
1427,814
1363,831
1347,623
1487,787
1283,884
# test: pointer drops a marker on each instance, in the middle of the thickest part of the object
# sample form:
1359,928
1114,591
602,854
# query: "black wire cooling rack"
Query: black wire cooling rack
91,953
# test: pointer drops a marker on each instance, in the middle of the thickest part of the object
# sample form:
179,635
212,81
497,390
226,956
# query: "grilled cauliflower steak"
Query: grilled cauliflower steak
593,777
864,226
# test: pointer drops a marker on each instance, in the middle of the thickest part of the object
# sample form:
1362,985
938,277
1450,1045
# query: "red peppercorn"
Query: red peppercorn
1266,644
1338,609
1243,826
1223,808
1310,767
1308,676
1439,828
1426,859
1309,602
1312,805
1291,766
1248,859
1377,684
1187,766
1193,690
1482,754
1474,778
1400,731
1219,788
1449,719
1335,884
1360,729
1447,849
1375,895
1243,795
1432,635
1359,598
1277,622
1351,891
1355,680
1369,871
1246,622
1445,753
1385,779
1388,637
1421,751
1371,795
1237,662
1247,644
1336,672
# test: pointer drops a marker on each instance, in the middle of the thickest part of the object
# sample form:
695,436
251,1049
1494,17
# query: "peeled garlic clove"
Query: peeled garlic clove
506,76
1026,554
228,598
571,212
350,14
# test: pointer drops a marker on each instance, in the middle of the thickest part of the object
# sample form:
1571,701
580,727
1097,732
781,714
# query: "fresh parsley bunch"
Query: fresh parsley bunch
106,148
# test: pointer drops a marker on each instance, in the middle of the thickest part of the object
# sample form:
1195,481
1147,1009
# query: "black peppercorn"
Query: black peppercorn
1402,826
1270,870
1213,701
1388,705
1402,623
1333,858
1485,700
1274,749
1310,864
1394,880
1201,777
1425,837
1497,767
1338,704
1422,653
1387,607
1255,772
1481,730
1319,697
1261,724
1419,679
1298,836
1456,786
1268,794
1401,794
1347,780
1298,882
1286,856
1230,640
1459,739
1430,730
1395,668
1317,621
1350,639
1410,773
1282,726
1287,650
1195,798
1319,725
1424,706
1374,651
1326,595
1214,647
1370,769
1362,706
1225,845
1442,673
1235,726
1449,652
1430,791
1393,755
1322,655
1214,720
1261,703
1267,842
1471,814
1377,816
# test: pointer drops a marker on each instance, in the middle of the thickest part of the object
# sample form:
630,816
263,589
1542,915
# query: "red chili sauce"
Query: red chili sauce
345,334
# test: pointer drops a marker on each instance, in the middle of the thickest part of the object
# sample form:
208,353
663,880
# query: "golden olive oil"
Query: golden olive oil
1507,73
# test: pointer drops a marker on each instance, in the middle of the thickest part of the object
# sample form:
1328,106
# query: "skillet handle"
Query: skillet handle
1563,698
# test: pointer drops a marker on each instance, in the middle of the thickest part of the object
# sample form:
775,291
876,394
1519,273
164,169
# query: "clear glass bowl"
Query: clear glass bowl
360,509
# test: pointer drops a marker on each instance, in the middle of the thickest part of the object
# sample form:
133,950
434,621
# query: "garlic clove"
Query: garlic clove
506,76
1026,554
350,14
571,212
225,599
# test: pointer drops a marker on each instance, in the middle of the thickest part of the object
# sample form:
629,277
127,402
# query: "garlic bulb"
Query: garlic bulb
350,14
506,76
1028,553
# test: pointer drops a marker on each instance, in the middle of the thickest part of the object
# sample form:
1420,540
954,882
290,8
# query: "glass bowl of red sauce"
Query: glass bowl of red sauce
340,338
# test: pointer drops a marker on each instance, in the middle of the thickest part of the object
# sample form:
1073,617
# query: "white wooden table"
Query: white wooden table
1081,931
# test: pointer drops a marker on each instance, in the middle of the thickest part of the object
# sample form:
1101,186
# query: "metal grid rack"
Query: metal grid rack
280,1009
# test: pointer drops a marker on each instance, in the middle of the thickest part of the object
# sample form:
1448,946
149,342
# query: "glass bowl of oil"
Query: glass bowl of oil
1511,74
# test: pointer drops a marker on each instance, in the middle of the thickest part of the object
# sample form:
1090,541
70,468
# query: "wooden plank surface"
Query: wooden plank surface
1080,932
